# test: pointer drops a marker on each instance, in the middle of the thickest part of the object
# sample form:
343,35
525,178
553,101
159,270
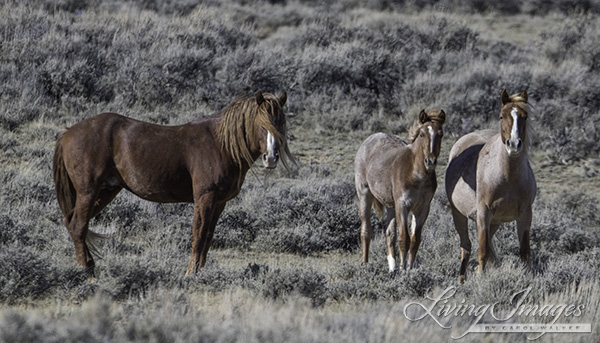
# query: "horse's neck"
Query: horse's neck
512,168
418,161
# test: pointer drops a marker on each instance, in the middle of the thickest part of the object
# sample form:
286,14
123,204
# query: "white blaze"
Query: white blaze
514,133
431,134
270,144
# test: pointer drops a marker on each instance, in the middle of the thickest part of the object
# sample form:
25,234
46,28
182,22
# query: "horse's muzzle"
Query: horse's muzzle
270,160
514,146
430,163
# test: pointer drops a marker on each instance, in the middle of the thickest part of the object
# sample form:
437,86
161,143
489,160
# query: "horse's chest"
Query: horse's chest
504,209
416,198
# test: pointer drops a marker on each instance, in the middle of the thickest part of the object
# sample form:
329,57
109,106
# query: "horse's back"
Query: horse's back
375,165
376,151
471,139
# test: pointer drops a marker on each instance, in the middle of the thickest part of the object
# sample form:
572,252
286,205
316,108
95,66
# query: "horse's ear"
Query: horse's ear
259,98
442,117
282,99
524,95
423,117
505,97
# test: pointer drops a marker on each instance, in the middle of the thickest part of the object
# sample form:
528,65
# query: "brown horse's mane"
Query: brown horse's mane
434,115
237,127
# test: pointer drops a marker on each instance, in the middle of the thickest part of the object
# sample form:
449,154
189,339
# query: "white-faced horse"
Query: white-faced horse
489,180
400,176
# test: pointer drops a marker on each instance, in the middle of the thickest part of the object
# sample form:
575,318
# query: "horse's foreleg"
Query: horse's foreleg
365,201
523,225
203,212
418,221
461,223
391,237
211,230
404,236
491,247
483,226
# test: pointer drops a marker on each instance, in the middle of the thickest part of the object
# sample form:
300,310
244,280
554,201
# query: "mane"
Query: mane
237,127
413,131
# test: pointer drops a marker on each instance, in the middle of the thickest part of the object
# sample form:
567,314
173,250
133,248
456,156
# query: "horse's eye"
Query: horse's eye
421,135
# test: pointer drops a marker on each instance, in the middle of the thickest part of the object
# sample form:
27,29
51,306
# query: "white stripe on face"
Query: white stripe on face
431,135
270,144
514,133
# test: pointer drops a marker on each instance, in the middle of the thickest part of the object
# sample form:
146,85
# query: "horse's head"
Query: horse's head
271,127
513,119
429,135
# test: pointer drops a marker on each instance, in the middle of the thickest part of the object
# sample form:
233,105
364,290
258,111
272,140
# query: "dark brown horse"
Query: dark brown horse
490,181
399,176
204,162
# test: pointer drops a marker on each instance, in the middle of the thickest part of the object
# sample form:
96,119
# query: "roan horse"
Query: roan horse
489,180
400,176
204,162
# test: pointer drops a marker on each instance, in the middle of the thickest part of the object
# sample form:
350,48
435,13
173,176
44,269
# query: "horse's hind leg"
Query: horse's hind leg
461,223
78,228
104,198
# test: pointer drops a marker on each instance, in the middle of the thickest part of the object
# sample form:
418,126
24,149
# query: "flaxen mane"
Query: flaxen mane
239,124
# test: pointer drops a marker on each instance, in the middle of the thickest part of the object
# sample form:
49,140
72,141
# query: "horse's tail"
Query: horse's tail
65,192
378,207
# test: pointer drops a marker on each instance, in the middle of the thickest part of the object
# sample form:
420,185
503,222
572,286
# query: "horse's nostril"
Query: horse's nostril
519,143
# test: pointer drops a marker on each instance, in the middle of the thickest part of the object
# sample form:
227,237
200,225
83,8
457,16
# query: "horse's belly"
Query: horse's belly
464,200
504,211
160,190
384,196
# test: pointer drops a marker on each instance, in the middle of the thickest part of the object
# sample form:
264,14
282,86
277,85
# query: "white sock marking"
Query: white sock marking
391,263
